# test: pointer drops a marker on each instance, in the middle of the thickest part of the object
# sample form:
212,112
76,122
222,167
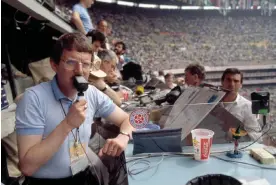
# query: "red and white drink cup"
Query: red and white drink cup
125,95
202,142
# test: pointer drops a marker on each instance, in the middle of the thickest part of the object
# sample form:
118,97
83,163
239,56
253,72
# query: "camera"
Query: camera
260,102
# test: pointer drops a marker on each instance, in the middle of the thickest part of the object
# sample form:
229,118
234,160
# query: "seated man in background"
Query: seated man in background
169,80
194,74
237,105
120,49
81,18
95,78
108,65
102,81
98,40
103,27
53,129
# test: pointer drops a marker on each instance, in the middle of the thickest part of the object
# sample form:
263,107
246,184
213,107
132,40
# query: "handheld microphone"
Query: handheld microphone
81,84
139,90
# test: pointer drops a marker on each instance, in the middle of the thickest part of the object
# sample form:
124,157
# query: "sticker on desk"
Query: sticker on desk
139,118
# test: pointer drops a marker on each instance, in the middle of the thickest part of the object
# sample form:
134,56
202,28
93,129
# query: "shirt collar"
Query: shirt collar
237,99
57,93
234,102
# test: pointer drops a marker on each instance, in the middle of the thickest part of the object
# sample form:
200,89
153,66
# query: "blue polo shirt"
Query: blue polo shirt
40,112
84,16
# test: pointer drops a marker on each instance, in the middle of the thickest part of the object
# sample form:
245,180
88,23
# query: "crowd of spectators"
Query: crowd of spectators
169,41
173,41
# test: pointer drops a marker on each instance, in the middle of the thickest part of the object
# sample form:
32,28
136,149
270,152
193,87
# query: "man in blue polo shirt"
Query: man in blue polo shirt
81,18
53,129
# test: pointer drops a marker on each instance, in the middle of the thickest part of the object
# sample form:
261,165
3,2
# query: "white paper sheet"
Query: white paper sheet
192,107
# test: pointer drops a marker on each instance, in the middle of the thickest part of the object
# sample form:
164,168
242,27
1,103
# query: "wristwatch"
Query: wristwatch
104,89
125,133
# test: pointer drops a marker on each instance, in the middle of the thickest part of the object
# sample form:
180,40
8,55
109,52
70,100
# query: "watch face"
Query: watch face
139,118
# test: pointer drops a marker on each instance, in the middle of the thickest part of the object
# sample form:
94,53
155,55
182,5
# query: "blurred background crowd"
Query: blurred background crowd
170,41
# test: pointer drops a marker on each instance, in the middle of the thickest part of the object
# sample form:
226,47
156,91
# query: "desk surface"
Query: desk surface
179,170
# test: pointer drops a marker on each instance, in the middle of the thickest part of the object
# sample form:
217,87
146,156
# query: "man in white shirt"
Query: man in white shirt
237,105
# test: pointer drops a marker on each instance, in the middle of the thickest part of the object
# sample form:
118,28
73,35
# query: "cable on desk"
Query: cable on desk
254,165
148,156
139,170
135,159
256,139
123,165
148,166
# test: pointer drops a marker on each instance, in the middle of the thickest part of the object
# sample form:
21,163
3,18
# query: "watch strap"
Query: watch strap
125,133
104,89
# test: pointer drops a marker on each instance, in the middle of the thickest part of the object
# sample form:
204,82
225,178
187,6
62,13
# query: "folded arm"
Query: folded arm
100,85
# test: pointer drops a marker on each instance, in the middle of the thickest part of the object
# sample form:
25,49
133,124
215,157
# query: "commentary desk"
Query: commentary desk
178,170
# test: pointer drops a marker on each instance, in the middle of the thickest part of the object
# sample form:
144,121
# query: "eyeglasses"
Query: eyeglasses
71,64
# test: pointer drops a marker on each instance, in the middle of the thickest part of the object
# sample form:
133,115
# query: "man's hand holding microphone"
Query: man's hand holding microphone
76,114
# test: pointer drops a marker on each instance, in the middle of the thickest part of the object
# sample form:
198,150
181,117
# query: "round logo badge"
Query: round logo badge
139,118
